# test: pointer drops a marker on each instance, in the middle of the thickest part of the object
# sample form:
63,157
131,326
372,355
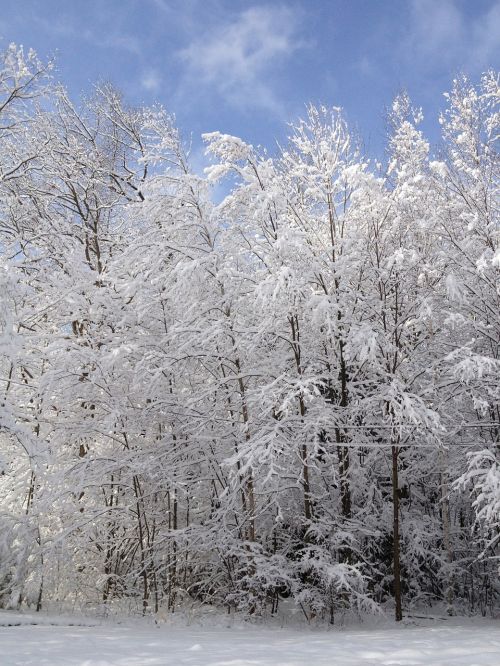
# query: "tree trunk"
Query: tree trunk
445,518
395,534
306,484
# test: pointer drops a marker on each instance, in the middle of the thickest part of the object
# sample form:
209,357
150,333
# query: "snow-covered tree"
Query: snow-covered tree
291,394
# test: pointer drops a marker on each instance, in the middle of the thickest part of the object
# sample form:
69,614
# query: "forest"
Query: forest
273,384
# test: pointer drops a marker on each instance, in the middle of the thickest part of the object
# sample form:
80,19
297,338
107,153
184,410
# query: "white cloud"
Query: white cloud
237,59
104,33
486,38
183,15
60,26
366,67
151,80
440,31
121,42
113,40
436,26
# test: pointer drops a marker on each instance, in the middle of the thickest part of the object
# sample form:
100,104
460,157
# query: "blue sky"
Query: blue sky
249,67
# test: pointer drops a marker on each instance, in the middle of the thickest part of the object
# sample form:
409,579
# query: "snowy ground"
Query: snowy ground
54,643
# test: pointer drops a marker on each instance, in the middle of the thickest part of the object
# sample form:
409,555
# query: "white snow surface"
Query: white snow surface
61,641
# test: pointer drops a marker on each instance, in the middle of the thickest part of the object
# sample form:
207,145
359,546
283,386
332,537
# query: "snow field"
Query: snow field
133,644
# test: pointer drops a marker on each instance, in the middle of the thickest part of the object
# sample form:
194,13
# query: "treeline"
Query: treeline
292,394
